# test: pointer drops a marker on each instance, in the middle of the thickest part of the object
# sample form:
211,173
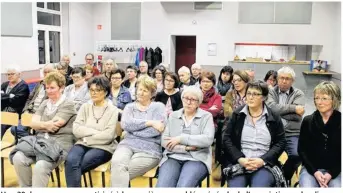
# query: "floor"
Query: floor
140,182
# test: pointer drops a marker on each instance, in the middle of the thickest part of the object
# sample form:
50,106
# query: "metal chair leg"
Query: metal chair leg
150,182
103,179
57,170
208,181
90,179
85,180
52,176
2,173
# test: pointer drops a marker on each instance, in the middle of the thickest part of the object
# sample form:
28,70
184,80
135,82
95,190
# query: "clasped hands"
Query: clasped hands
252,164
322,179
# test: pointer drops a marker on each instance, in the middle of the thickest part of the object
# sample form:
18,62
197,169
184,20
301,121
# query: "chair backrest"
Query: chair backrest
119,130
8,118
26,119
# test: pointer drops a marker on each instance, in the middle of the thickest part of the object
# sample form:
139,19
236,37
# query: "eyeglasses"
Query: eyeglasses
254,95
158,73
116,78
76,77
169,80
96,91
237,80
11,74
189,100
317,99
285,78
89,59
206,81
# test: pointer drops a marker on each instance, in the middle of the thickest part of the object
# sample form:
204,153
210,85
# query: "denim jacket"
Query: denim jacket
124,97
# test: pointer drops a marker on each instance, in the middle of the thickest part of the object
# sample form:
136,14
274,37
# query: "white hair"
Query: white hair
195,65
110,61
13,67
65,56
193,90
184,69
287,70
51,65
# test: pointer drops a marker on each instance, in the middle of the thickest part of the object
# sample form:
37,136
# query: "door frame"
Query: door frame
172,49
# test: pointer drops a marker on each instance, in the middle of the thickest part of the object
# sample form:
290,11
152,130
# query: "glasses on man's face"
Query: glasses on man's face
76,77
189,100
95,91
324,99
253,94
11,74
284,79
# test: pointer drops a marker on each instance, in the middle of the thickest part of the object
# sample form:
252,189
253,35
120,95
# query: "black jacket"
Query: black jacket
157,57
175,99
21,93
232,138
320,145
224,88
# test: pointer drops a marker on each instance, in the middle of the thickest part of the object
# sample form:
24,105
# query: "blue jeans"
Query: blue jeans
293,161
260,178
82,159
309,181
175,173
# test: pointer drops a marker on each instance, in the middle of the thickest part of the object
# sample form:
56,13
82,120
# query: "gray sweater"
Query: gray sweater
287,111
201,136
80,97
140,137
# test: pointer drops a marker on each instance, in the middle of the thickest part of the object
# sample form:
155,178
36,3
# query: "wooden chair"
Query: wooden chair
106,166
151,174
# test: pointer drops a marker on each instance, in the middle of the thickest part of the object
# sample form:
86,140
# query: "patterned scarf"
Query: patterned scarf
208,95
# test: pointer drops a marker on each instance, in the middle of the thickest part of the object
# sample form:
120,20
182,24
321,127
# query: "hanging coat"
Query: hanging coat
157,56
149,58
137,58
141,53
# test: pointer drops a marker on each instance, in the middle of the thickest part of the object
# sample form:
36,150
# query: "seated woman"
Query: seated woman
94,129
253,140
158,73
187,158
140,150
225,81
171,95
271,78
53,122
89,72
320,139
120,95
212,100
62,67
236,97
78,91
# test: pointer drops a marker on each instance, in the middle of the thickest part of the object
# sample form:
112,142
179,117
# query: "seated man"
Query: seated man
185,77
78,92
14,94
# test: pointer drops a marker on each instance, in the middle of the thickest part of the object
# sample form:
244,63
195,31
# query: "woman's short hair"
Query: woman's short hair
118,71
208,74
62,65
87,67
331,89
79,70
57,77
101,82
195,91
260,86
243,75
174,76
160,68
148,83
134,68
228,69
270,73
110,61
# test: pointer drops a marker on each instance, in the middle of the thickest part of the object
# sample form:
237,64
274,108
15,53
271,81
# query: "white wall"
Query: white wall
81,34
22,51
159,21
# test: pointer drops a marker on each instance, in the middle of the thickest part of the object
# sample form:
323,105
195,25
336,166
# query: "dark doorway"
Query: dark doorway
185,50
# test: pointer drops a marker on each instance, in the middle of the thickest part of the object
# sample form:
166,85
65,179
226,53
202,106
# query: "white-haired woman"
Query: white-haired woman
185,77
187,141
320,139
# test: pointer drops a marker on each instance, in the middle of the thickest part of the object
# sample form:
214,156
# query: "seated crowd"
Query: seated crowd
170,121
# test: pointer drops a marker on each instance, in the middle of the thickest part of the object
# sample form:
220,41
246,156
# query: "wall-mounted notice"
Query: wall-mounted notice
212,49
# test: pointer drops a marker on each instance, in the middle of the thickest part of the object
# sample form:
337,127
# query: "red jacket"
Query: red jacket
216,100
